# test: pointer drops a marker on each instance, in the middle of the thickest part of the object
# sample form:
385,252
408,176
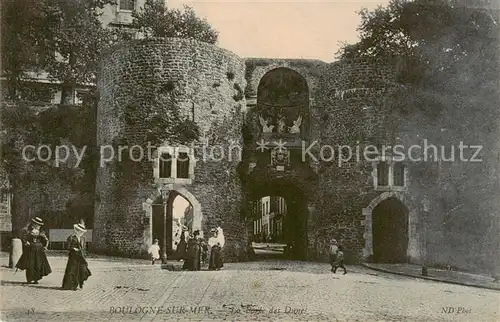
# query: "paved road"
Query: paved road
257,291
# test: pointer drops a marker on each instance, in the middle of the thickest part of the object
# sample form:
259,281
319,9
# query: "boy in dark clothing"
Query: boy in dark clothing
332,251
339,262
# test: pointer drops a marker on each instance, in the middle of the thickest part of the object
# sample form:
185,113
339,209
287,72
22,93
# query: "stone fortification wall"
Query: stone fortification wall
204,83
349,104
451,204
462,213
350,113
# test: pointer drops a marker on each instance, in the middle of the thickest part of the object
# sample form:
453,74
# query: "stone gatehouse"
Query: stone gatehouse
382,208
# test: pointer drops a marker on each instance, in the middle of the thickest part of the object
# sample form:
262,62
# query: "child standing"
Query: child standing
339,262
332,251
154,251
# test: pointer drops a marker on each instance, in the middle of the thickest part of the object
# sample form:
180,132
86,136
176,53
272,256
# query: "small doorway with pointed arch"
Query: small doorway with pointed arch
172,220
390,231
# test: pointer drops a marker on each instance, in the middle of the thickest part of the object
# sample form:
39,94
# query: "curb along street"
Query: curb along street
430,278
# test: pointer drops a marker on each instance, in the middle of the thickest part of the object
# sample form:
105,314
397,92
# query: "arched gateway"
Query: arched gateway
159,213
279,123
387,234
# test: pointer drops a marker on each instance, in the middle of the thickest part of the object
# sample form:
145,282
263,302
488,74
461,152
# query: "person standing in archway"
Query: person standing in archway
34,260
181,247
154,251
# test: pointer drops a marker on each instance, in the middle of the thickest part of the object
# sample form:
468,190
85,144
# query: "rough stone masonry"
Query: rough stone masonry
344,103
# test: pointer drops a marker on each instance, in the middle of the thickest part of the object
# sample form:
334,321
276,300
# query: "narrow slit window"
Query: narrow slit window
165,165
5,197
183,165
383,174
399,174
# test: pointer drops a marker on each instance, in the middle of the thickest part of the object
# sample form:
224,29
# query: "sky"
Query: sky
282,29
179,206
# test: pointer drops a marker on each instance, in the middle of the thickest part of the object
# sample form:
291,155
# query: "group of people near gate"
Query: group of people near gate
34,260
195,251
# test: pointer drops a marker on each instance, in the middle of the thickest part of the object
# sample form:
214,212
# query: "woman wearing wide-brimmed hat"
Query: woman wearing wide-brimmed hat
182,246
34,260
77,270
216,242
193,260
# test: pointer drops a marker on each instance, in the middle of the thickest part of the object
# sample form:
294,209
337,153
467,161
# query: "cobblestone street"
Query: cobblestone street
131,290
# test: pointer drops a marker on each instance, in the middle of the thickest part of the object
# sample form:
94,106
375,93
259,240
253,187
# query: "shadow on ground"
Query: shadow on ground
13,283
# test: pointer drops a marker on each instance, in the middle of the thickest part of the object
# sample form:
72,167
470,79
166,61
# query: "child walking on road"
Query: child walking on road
332,251
339,261
154,251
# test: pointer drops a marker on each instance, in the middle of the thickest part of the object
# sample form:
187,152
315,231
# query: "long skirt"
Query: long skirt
35,262
193,258
181,251
215,258
76,272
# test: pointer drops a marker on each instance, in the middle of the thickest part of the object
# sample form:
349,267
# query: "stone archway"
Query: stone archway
147,207
368,221
259,73
282,118
390,231
283,98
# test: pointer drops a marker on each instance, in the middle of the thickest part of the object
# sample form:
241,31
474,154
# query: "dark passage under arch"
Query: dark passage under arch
390,232
293,224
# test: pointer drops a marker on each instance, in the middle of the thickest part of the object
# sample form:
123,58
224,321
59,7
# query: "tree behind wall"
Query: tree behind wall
65,38
62,38
156,20
60,194
21,20
446,54
74,40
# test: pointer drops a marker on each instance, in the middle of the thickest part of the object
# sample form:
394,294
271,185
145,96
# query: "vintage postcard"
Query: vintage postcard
332,160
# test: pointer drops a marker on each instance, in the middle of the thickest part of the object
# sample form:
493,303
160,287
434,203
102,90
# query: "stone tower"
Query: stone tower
204,83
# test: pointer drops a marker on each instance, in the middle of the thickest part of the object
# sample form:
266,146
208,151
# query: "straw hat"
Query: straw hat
37,220
80,228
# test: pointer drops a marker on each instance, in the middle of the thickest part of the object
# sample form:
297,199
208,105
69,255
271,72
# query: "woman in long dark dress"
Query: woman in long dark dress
194,252
77,271
34,260
204,251
215,243
181,247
